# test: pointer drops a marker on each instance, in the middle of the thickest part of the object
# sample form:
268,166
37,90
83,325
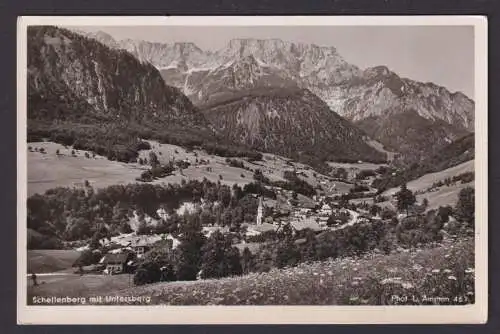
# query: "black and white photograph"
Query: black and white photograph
252,162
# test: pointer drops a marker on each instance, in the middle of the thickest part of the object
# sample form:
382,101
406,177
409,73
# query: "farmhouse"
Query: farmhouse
258,229
209,230
326,210
142,243
118,263
299,225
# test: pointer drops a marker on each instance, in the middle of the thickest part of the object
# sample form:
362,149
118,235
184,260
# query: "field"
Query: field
49,170
50,260
379,147
367,280
46,171
78,286
426,181
442,196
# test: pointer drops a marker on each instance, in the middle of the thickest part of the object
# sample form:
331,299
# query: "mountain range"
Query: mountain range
103,98
83,93
391,109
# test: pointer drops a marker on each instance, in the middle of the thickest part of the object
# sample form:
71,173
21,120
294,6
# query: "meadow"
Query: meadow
49,170
50,260
446,271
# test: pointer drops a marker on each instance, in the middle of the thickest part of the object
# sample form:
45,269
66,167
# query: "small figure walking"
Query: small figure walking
33,278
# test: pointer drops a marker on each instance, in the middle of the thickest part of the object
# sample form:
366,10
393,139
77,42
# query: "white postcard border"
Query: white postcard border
476,313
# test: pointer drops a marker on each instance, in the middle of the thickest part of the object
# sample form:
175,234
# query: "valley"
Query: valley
264,172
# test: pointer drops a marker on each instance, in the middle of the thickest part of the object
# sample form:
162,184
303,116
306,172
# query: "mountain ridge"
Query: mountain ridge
372,98
318,68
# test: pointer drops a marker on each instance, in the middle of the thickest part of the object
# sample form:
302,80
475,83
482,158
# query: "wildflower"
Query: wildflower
357,278
417,267
355,283
447,256
407,285
395,280
469,270
435,271
447,271
451,277
353,298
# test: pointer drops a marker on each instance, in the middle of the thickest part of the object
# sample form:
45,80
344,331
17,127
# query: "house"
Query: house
117,263
299,225
143,243
326,210
258,229
209,230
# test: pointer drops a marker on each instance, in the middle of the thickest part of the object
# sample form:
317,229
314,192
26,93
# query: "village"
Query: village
320,213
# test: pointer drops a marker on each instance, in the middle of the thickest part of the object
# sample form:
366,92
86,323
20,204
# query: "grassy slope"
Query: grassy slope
78,286
424,182
442,196
342,281
49,260
46,171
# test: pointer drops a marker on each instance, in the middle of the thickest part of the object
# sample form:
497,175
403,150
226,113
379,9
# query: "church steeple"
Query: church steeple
260,212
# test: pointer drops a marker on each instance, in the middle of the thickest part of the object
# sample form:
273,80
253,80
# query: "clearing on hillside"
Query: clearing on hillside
50,260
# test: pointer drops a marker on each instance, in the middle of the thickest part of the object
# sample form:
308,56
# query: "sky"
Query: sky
440,54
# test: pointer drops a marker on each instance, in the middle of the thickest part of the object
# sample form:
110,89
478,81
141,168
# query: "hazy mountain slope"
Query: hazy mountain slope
413,118
414,136
80,91
450,155
349,91
292,122
106,82
378,91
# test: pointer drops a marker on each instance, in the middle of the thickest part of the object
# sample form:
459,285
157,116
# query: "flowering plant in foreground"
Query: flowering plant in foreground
443,275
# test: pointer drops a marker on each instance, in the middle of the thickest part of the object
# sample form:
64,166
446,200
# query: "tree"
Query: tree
247,261
153,159
341,173
309,252
465,208
189,251
148,272
405,198
219,258
86,258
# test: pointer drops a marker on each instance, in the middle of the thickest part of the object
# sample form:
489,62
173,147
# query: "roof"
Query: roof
253,247
264,227
118,258
303,224
144,240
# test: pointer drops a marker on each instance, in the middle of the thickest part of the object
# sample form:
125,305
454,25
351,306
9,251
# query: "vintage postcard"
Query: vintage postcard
177,170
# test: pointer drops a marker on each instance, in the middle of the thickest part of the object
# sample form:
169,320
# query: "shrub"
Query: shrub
465,206
146,273
87,257
387,214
